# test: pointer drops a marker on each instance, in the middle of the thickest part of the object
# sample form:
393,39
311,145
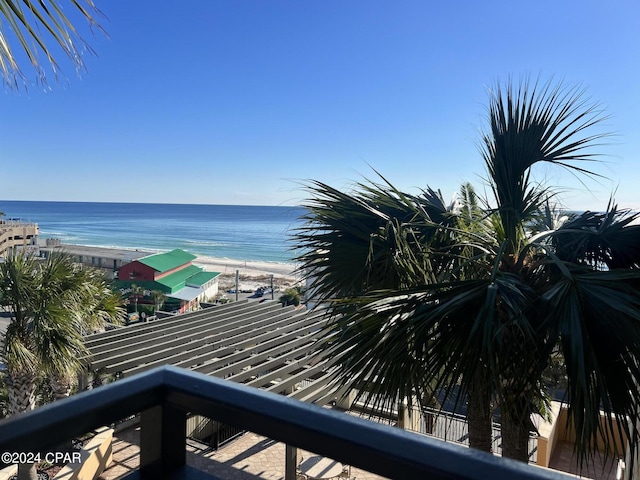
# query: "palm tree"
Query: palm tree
380,242
52,302
136,292
99,306
564,278
158,299
421,297
36,23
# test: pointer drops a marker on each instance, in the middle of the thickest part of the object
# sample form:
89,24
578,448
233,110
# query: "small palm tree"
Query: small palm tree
158,299
100,306
422,296
52,302
136,292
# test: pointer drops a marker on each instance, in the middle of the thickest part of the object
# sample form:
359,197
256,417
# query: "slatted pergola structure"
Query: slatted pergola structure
260,344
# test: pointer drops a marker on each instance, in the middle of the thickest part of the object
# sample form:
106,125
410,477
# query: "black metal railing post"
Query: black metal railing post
163,440
291,462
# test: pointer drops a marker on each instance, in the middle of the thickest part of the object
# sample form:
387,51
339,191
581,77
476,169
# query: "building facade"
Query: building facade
16,235
109,260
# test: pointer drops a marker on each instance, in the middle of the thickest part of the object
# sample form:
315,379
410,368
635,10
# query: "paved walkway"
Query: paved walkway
249,457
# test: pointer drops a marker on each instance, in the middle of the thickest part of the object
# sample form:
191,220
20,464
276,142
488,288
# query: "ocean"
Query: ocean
259,233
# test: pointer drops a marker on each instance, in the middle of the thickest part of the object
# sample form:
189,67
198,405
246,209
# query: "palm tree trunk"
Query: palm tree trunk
61,388
479,416
21,389
515,435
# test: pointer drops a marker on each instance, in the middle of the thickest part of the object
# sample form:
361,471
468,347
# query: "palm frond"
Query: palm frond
609,239
595,317
368,240
36,25
531,123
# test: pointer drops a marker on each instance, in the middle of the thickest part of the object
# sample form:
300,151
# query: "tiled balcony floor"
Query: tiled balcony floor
564,461
249,457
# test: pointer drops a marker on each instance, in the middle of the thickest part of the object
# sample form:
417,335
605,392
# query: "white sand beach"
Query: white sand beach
227,266
250,272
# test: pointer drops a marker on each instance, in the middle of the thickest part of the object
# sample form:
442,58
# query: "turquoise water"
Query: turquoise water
227,231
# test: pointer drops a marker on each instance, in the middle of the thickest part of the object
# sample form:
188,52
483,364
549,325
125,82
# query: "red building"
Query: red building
173,273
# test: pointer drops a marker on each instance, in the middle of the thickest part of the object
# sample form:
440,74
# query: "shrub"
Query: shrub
291,296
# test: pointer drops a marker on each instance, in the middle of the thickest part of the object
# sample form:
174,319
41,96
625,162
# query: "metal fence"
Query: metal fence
452,427
213,433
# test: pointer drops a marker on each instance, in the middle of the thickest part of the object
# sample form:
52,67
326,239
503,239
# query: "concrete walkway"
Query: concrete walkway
249,457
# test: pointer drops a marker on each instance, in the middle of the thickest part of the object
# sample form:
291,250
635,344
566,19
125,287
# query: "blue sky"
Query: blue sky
236,102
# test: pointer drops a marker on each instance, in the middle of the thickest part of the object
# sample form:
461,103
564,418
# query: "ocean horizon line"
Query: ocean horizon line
101,202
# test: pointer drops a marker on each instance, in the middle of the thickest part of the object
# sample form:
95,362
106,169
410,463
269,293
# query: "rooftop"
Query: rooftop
201,278
177,280
163,262
121,254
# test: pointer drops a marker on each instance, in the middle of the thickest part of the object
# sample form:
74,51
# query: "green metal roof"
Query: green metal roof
178,280
201,278
163,262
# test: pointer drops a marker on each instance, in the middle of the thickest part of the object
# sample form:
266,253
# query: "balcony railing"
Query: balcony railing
164,396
